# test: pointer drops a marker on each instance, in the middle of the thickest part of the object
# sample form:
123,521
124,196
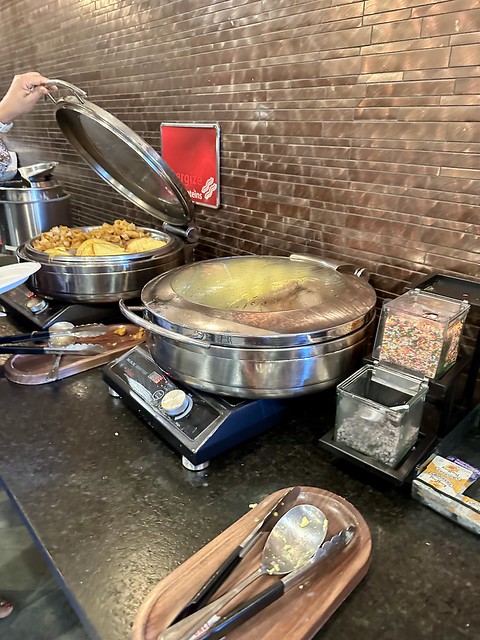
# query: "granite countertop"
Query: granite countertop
114,511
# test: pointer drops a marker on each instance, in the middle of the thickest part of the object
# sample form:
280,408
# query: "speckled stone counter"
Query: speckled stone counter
114,512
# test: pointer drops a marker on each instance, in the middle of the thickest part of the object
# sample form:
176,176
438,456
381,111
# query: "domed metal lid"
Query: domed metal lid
121,157
260,300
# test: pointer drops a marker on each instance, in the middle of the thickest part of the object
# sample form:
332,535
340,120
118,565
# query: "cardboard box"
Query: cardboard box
451,487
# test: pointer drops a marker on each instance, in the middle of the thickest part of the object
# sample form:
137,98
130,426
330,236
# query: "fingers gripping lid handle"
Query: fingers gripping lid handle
80,94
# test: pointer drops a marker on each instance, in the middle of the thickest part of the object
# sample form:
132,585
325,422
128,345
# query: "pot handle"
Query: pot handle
342,267
80,94
155,328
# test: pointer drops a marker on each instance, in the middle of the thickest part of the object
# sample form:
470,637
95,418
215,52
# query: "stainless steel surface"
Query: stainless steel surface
121,158
289,546
264,372
80,94
60,335
52,375
259,301
191,234
103,278
27,212
62,332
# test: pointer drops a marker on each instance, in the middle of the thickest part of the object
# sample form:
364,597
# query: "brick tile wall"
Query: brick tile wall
349,129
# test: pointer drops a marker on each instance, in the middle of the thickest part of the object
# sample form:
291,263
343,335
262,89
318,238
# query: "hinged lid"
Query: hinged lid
260,300
409,379
428,306
122,158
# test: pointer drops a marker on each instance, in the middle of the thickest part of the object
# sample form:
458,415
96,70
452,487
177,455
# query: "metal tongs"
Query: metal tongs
68,350
61,340
213,622
224,624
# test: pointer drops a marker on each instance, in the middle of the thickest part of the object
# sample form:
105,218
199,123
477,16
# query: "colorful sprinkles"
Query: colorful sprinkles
417,343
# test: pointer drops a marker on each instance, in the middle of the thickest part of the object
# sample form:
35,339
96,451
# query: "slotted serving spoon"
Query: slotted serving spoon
290,545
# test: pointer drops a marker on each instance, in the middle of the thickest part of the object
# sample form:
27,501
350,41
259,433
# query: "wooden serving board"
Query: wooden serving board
301,612
37,369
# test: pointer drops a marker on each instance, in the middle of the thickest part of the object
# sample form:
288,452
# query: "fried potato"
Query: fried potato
104,248
86,248
58,251
144,244
62,240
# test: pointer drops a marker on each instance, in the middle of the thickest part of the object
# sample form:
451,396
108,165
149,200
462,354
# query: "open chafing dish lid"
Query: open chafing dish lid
121,157
295,300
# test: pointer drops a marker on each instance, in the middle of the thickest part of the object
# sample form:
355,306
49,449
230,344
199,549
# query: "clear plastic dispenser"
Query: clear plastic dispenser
420,332
379,411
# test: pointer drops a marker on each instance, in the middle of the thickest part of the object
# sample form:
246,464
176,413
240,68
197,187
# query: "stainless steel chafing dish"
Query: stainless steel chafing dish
258,326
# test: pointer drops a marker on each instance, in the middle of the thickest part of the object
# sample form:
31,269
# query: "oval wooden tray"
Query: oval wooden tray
37,369
300,613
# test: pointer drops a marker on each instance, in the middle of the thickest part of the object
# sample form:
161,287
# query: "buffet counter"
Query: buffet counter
114,511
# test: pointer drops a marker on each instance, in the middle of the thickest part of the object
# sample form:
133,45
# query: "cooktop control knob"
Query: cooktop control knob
37,305
176,403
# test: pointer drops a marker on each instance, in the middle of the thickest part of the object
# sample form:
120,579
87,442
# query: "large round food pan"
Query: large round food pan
258,326
101,279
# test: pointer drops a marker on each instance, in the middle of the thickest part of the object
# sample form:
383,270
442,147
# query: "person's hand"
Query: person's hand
23,94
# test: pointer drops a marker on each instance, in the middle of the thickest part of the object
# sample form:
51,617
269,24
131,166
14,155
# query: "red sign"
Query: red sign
193,152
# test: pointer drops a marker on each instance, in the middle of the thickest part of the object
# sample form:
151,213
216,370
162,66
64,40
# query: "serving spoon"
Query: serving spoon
290,545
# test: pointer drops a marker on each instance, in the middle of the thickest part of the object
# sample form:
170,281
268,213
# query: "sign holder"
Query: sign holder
192,151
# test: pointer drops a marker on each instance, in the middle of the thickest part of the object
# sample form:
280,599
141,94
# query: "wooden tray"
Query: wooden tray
37,369
300,613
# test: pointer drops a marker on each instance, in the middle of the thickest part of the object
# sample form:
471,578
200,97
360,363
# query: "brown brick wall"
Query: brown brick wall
349,129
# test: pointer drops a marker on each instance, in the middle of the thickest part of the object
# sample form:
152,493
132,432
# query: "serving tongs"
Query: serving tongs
210,621
280,507
80,349
61,339
81,331
246,610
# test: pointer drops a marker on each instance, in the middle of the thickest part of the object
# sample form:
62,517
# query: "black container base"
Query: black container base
399,475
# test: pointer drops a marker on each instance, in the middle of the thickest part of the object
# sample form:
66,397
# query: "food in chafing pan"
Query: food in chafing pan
121,237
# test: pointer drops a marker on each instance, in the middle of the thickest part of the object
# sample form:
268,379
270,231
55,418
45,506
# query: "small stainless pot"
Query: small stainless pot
28,211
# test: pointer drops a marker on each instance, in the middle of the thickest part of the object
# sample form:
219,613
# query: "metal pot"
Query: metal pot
103,278
258,326
133,168
28,211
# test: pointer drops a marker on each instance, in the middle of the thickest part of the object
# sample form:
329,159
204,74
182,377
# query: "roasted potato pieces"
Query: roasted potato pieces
95,247
119,238
58,251
144,244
